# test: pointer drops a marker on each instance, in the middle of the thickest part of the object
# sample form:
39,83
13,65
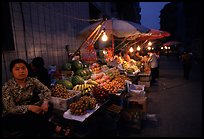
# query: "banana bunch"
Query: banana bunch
90,81
84,88
125,65
134,67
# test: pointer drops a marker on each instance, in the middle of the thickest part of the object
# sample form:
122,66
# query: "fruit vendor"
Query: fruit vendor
20,112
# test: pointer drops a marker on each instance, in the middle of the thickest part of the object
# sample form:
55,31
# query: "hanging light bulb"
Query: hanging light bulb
165,47
149,48
149,43
104,37
104,52
138,48
131,49
162,48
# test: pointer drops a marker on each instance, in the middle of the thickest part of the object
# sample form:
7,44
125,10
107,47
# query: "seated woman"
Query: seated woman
20,113
38,71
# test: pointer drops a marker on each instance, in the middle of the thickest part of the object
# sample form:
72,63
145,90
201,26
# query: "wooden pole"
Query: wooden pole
112,44
90,35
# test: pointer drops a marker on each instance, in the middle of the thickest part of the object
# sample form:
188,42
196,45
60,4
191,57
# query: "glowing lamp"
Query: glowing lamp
104,37
131,49
138,48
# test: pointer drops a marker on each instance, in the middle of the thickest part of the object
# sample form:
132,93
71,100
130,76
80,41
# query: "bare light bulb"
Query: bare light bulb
131,49
138,48
149,43
104,37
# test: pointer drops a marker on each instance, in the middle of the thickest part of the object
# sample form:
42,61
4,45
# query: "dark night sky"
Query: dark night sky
150,12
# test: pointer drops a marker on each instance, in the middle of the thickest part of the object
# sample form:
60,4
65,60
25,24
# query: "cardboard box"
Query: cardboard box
147,84
145,78
61,103
138,103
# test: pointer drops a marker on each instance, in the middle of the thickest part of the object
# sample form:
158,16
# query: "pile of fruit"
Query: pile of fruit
100,93
81,106
61,91
84,88
118,83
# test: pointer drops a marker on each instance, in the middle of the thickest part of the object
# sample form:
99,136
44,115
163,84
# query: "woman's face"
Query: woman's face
20,71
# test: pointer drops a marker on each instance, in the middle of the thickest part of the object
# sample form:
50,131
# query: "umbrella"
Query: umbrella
153,34
171,43
118,28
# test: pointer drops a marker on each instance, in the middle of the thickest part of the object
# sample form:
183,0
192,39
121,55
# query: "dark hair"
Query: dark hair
38,62
16,61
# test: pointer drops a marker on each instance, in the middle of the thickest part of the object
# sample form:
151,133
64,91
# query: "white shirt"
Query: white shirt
153,61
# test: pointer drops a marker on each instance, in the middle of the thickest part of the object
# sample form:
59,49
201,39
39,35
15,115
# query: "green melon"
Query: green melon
80,73
77,80
66,83
76,65
66,66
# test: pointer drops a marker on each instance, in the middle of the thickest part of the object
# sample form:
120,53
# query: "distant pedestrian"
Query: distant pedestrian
158,58
152,60
187,61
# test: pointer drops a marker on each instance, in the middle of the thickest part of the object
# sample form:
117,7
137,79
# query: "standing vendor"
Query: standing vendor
152,60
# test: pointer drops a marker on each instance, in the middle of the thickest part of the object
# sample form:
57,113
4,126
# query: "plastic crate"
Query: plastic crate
136,90
61,103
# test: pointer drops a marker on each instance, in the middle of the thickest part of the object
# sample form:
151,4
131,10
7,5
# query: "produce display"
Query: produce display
66,83
66,66
100,93
61,91
81,106
118,83
76,65
84,88
131,68
77,80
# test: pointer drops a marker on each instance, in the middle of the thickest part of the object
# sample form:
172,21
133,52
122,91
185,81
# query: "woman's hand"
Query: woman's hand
44,107
35,109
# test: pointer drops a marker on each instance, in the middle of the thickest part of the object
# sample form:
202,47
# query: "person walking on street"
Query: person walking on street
186,59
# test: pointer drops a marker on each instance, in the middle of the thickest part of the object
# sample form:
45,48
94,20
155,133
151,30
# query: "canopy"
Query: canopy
153,35
118,28
171,43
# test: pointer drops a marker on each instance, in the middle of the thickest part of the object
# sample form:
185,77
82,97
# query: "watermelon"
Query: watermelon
76,65
80,73
77,80
66,83
66,66
87,71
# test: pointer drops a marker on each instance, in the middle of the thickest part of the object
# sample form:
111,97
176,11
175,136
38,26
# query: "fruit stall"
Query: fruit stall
85,89
80,91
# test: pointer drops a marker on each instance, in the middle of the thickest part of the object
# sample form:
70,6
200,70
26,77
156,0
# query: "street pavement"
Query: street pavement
177,102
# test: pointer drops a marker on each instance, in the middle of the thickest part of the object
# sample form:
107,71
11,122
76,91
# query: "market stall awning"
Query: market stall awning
118,28
170,43
153,34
